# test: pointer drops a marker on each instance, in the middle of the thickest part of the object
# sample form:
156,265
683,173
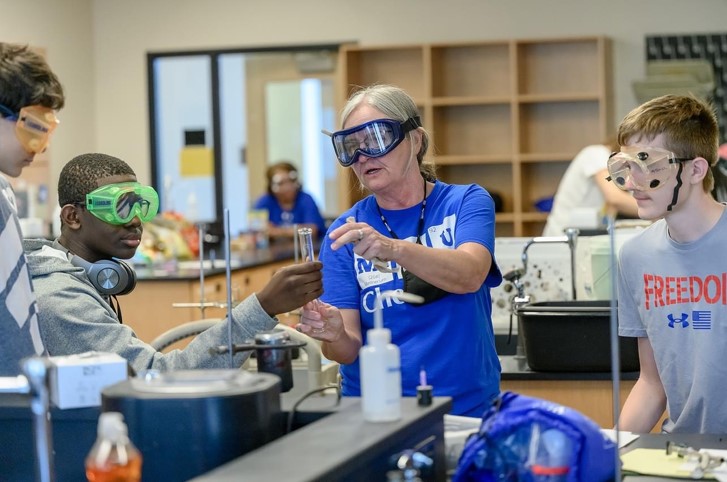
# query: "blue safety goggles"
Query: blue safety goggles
375,138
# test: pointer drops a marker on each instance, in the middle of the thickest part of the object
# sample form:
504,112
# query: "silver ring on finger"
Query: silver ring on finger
360,234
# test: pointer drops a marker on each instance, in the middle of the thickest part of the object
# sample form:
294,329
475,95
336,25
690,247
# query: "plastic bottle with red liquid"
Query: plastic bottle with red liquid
113,458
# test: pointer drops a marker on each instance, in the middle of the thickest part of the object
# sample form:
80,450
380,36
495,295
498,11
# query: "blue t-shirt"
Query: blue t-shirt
452,338
305,211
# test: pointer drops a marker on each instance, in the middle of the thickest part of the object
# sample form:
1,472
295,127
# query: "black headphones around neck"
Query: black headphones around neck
109,276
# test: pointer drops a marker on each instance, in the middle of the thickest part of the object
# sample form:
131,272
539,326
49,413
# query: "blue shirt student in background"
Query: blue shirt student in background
413,234
287,204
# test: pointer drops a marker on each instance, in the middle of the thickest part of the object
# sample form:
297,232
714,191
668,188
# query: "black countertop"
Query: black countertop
342,446
515,369
189,270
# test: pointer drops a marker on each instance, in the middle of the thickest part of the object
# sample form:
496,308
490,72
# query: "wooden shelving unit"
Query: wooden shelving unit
508,115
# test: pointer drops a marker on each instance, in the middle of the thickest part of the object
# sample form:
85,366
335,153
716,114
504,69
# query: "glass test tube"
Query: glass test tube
305,238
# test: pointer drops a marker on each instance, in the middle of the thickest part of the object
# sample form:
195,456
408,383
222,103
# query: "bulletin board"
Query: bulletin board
711,47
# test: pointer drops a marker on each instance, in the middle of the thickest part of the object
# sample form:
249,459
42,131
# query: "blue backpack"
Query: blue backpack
527,439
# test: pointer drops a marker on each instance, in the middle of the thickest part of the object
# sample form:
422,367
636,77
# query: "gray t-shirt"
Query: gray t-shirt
676,295
19,335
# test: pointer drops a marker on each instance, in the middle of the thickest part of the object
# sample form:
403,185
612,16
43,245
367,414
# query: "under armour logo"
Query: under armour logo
683,320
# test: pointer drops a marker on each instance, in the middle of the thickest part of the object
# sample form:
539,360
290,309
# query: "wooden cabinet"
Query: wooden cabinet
592,398
509,115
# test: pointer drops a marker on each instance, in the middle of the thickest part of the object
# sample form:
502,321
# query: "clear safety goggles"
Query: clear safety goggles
647,168
34,125
282,179
372,139
120,203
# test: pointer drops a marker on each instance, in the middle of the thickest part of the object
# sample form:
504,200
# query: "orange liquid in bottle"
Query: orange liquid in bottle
130,472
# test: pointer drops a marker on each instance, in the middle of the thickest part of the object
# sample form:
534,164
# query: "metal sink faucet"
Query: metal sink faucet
571,234
520,300
516,303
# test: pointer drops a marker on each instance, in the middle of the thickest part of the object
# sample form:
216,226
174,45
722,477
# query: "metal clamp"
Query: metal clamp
704,461
273,351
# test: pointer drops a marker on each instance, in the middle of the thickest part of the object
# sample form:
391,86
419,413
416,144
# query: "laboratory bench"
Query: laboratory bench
342,446
330,441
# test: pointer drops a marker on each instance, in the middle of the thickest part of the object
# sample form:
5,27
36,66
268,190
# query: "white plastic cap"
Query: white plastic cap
379,336
111,426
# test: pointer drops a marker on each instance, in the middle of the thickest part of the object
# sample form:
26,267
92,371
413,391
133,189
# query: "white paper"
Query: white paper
625,438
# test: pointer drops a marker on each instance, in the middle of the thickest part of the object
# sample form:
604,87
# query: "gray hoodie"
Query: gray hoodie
75,318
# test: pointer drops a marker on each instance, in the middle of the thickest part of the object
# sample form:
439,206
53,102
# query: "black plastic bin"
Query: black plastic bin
573,336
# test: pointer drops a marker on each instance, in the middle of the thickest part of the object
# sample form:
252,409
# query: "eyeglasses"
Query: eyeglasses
34,125
120,203
375,138
647,168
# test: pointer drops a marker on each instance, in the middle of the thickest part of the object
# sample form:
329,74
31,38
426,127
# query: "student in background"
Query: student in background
287,204
584,185
671,286
30,93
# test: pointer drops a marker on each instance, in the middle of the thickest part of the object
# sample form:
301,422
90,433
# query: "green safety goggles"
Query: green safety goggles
120,203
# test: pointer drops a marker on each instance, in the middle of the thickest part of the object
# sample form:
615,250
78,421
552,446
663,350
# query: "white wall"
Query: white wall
112,68
65,30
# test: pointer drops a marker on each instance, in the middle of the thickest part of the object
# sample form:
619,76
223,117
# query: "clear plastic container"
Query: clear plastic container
113,458
553,458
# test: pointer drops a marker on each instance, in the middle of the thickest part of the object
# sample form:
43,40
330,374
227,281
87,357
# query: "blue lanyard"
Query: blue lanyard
420,227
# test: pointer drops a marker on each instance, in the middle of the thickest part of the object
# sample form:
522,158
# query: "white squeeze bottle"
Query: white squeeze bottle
380,365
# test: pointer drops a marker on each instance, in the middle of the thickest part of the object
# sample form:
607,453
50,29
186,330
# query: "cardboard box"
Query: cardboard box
77,380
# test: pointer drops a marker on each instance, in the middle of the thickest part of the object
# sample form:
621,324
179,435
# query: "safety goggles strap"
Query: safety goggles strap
411,123
8,113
